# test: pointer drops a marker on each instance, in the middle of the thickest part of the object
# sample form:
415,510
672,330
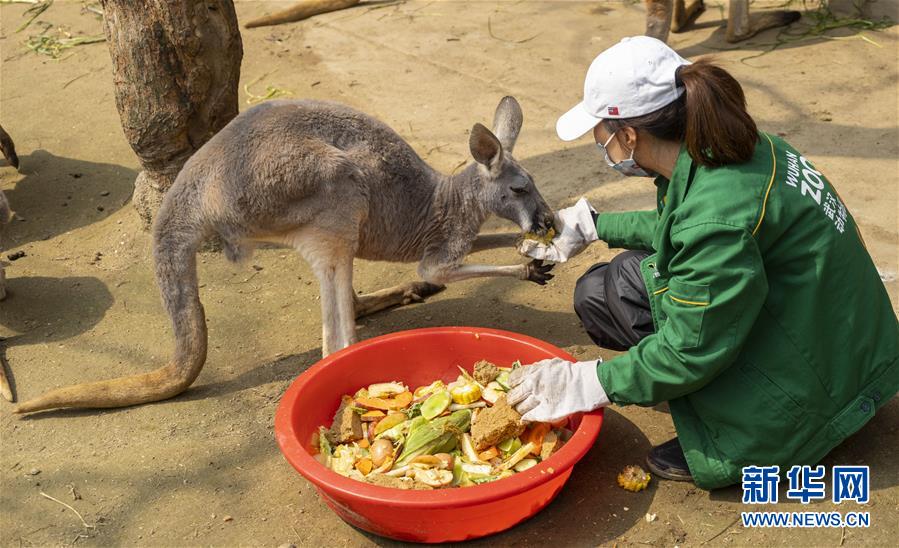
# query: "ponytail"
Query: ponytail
709,117
719,131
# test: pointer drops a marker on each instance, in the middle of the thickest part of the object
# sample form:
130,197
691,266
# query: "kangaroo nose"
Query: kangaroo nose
544,222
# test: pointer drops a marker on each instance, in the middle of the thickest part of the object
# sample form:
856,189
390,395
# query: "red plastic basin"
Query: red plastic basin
418,357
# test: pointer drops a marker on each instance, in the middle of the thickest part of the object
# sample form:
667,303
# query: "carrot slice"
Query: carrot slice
401,400
373,403
363,443
488,454
536,434
364,466
373,415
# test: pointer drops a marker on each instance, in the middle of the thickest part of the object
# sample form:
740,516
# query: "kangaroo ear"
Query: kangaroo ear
485,147
507,122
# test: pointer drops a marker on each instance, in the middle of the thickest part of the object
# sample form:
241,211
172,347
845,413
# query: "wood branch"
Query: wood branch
5,388
301,10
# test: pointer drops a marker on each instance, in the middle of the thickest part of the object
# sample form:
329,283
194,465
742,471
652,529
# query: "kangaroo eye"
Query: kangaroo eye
519,189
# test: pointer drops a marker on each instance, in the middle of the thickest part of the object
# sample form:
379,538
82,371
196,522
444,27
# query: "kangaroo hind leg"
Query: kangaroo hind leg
331,260
399,295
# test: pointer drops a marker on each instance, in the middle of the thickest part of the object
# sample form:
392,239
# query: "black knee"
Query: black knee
589,292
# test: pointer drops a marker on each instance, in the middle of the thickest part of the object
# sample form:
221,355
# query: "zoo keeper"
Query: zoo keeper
747,299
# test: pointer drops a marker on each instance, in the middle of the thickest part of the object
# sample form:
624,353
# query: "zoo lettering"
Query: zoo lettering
811,183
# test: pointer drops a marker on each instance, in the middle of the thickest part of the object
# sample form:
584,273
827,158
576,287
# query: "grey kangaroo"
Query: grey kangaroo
8,148
334,184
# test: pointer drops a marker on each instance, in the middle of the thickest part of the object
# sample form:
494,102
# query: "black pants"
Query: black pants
612,302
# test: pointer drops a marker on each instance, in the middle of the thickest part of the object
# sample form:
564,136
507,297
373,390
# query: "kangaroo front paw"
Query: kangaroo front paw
419,291
538,272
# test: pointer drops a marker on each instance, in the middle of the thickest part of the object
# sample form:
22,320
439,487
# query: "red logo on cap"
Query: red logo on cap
613,111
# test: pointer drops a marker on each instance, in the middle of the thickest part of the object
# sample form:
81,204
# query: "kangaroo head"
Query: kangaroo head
508,188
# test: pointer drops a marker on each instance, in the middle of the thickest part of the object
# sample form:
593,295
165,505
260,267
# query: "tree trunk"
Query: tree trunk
176,66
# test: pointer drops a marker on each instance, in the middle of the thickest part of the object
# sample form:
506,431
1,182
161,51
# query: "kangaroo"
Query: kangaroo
675,15
661,16
334,184
8,148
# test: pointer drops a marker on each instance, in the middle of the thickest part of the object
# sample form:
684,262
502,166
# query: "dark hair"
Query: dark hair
710,117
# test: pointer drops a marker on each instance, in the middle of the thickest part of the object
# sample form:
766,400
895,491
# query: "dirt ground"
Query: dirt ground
204,469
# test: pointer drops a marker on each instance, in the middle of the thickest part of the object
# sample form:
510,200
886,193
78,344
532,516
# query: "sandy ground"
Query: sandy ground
84,306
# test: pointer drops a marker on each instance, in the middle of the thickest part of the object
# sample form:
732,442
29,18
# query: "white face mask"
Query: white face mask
626,167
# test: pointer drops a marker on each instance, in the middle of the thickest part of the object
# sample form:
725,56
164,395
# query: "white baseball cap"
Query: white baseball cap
634,77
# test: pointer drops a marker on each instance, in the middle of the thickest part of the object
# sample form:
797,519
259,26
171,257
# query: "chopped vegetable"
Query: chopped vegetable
414,410
517,456
488,454
400,401
535,435
373,415
434,478
509,445
416,423
426,461
423,391
396,432
364,466
468,449
389,422
633,478
324,446
344,459
436,404
465,376
380,451
386,389
475,470
551,444
467,393
447,460
525,464
492,392
475,405
458,472
503,380
429,438
459,434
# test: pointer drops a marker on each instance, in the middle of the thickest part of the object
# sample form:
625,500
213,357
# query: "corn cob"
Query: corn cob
467,393
633,478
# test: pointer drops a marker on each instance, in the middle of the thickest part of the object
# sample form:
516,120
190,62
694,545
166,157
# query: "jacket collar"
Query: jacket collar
674,190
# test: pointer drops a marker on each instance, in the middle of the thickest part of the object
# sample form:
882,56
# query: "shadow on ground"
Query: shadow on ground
42,310
58,194
569,519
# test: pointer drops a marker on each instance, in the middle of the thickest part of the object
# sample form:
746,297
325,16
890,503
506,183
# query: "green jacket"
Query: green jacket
775,338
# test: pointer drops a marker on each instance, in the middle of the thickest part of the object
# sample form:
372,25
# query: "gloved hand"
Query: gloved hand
549,390
576,230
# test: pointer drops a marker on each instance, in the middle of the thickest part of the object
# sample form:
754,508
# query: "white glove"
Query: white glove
577,230
549,390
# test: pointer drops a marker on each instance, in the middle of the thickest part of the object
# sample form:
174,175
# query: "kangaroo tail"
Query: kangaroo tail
301,10
175,247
